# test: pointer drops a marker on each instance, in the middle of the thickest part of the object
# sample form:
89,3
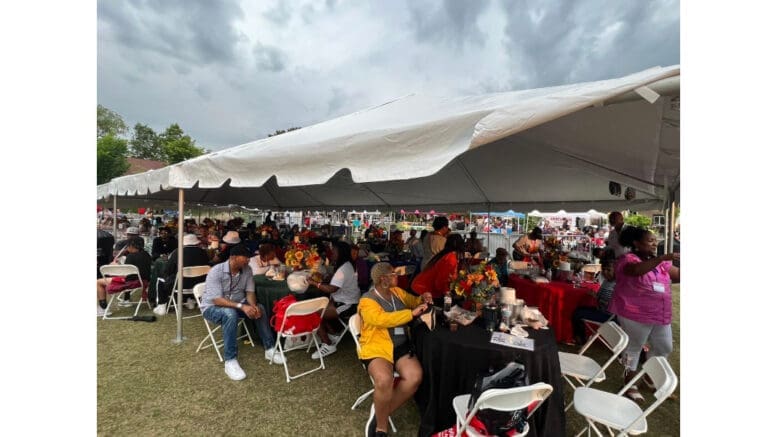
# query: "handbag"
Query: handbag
493,422
294,324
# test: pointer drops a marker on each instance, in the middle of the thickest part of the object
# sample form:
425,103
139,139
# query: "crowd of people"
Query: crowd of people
635,289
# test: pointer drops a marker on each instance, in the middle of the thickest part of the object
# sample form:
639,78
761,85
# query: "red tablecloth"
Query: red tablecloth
556,300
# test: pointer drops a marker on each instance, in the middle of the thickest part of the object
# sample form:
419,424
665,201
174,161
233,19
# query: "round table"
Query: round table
269,290
452,360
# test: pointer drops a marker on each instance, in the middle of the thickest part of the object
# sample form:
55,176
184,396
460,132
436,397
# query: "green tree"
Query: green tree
145,143
638,220
278,132
111,158
109,123
176,146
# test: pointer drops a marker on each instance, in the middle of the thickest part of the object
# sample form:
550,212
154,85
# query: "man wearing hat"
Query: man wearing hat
230,239
193,255
163,244
229,296
132,232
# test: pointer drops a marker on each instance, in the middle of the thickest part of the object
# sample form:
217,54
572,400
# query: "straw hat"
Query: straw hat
190,240
232,237
133,230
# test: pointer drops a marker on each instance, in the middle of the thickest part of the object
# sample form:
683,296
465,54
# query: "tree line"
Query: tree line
113,146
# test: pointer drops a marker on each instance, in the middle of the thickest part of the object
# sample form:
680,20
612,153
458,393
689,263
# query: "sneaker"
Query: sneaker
326,349
102,312
372,423
191,304
634,394
292,342
233,370
276,357
124,300
161,309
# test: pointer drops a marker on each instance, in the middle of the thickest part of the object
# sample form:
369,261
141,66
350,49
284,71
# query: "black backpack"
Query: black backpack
500,422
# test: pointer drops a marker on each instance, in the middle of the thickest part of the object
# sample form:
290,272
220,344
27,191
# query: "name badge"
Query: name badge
658,287
399,330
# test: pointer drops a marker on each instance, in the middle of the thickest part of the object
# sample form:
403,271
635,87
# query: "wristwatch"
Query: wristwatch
239,305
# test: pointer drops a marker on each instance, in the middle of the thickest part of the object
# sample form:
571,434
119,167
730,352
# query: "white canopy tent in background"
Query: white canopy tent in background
548,149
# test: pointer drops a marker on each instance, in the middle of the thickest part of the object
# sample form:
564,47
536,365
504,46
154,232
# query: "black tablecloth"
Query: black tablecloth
451,361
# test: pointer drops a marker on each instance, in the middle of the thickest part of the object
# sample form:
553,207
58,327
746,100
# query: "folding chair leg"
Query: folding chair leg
362,398
393,428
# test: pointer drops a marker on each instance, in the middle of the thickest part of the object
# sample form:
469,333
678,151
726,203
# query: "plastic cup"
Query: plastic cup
454,326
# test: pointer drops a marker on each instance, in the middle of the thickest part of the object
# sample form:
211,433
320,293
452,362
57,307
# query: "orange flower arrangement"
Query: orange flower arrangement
302,256
478,285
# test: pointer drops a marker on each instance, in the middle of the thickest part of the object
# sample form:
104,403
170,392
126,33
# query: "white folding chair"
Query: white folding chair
582,368
500,399
355,327
620,413
301,308
188,272
123,270
591,326
197,291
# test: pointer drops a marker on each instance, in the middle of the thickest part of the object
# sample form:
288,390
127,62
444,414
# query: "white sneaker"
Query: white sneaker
335,337
276,357
233,370
326,349
161,309
191,304
101,312
124,302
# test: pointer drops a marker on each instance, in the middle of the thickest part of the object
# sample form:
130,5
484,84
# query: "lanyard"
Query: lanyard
384,300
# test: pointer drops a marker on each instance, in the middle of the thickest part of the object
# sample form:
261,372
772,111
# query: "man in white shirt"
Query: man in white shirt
616,221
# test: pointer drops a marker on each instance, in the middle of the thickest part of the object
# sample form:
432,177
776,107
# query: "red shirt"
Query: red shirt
437,278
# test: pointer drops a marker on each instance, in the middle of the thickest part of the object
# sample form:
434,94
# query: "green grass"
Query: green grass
148,386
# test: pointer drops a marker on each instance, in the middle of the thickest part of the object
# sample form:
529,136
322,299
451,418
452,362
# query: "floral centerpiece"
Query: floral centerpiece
479,285
301,256
554,253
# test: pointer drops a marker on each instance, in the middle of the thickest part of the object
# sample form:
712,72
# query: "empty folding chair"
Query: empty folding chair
188,272
619,413
582,368
123,270
301,308
500,399
197,291
355,327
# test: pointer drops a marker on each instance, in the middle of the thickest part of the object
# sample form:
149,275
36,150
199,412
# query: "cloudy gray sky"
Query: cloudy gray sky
230,72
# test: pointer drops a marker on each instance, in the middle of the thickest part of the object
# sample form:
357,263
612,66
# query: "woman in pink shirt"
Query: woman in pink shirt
642,299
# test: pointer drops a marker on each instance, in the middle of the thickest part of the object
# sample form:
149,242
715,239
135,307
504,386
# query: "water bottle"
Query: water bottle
447,301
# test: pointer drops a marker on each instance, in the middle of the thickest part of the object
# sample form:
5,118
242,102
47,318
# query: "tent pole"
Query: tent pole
670,223
115,216
179,338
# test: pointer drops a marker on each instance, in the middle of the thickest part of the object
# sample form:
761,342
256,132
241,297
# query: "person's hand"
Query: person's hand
427,297
250,311
670,257
420,309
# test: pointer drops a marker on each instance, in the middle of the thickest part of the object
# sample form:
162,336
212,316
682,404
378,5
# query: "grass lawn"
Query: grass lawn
148,386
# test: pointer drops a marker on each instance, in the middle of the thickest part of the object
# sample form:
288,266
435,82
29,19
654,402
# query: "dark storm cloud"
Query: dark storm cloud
198,31
551,43
450,22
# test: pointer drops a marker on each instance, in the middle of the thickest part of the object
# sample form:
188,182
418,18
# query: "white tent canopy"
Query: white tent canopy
548,149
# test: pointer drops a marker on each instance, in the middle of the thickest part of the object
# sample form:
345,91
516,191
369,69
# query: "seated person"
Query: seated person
163,244
473,244
136,256
435,278
193,255
599,313
500,265
132,232
230,239
344,294
362,271
264,260
386,310
229,295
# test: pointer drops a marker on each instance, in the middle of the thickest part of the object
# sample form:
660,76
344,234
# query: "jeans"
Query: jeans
228,319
